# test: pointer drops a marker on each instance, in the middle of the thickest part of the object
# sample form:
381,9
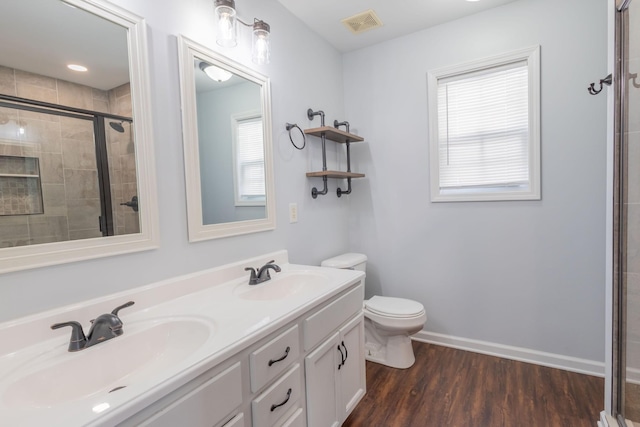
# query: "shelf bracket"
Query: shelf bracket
337,124
341,192
315,192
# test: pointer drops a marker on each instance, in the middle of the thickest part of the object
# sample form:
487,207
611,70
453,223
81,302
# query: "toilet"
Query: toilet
389,322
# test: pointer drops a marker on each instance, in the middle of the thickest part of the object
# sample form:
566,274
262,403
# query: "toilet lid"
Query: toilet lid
394,307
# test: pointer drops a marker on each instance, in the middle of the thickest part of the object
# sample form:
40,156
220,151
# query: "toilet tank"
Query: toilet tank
351,261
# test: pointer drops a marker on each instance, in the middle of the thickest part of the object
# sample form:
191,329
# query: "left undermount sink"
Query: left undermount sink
283,285
146,348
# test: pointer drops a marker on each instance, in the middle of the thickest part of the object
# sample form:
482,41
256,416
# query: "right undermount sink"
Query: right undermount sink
283,285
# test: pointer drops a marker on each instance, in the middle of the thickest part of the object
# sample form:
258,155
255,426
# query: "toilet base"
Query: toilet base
376,349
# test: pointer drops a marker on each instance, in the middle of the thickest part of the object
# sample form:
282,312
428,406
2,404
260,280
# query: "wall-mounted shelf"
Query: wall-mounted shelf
18,175
336,135
335,174
333,134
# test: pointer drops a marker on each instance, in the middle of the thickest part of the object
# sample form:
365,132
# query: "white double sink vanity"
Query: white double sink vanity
205,349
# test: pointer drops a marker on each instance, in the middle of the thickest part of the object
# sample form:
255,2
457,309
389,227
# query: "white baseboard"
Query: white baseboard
568,363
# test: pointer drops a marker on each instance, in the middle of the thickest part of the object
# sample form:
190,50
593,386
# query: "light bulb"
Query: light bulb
225,23
261,49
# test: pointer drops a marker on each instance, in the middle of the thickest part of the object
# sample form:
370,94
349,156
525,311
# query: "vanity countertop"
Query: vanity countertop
177,330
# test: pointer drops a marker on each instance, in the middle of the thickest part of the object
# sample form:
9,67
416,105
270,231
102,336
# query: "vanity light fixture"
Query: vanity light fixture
215,73
227,33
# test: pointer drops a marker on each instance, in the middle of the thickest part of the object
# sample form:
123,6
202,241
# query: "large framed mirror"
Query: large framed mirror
226,119
76,157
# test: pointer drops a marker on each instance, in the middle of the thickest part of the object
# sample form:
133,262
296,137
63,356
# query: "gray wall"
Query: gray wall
215,109
525,274
305,72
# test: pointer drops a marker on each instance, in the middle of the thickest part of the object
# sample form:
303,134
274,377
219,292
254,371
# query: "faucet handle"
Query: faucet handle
125,305
78,339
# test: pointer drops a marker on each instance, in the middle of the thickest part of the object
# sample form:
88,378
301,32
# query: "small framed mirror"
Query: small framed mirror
76,157
226,119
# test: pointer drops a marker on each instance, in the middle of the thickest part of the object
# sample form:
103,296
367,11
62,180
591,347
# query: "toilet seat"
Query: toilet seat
398,308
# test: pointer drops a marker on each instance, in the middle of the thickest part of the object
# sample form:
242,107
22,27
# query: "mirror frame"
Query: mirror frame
189,51
24,257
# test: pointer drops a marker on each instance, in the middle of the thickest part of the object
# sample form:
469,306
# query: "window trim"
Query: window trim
529,55
236,119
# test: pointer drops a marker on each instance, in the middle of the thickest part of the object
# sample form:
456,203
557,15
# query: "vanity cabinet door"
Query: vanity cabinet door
352,374
208,405
321,369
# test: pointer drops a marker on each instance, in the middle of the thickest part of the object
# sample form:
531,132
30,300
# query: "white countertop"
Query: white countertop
206,306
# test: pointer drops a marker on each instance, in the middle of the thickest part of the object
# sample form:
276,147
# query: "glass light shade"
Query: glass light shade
261,45
226,32
215,73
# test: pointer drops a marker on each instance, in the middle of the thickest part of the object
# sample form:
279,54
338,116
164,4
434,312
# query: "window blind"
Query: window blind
250,160
483,128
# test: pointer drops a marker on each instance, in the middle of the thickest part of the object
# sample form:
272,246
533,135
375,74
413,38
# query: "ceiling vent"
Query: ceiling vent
362,22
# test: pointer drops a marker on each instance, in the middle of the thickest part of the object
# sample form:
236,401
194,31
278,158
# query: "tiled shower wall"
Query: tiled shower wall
122,163
66,152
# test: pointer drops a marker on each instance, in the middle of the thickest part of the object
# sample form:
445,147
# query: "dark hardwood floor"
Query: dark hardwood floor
454,388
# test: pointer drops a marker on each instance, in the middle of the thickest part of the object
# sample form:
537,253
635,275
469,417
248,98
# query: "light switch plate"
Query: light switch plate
293,212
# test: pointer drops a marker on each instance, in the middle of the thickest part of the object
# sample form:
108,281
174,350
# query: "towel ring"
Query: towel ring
304,138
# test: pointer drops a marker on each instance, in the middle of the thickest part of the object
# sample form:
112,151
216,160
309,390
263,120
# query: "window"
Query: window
249,160
484,134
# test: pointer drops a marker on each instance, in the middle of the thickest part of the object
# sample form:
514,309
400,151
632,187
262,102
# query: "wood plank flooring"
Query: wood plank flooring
454,388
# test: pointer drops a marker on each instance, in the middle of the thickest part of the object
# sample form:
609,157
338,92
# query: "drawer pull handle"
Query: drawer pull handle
274,407
286,353
342,359
346,353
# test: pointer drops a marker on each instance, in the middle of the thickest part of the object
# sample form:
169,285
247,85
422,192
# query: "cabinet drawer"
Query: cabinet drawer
295,420
325,321
273,358
205,406
278,400
237,421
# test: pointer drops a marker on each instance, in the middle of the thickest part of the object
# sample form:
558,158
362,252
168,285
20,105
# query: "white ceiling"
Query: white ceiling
399,17
43,36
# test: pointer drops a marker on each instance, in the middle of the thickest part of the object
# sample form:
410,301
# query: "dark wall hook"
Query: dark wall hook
606,81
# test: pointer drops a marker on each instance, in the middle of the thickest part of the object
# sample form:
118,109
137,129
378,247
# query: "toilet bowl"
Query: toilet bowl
389,322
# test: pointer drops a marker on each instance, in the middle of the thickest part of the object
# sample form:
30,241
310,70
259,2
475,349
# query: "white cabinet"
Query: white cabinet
262,384
335,375
208,405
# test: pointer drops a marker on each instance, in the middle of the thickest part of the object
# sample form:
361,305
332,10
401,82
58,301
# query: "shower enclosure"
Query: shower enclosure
626,215
66,173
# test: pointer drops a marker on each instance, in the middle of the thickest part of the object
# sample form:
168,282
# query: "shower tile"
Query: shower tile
81,130
38,80
131,223
123,91
100,95
83,215
45,134
7,81
84,234
101,106
37,240
38,116
81,184
37,93
53,196
78,154
75,95
51,168
49,226
13,227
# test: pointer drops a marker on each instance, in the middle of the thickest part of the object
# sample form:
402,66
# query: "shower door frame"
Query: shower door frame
620,185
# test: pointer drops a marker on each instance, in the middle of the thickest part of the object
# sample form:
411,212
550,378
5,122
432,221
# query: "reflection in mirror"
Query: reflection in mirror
227,138
71,142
